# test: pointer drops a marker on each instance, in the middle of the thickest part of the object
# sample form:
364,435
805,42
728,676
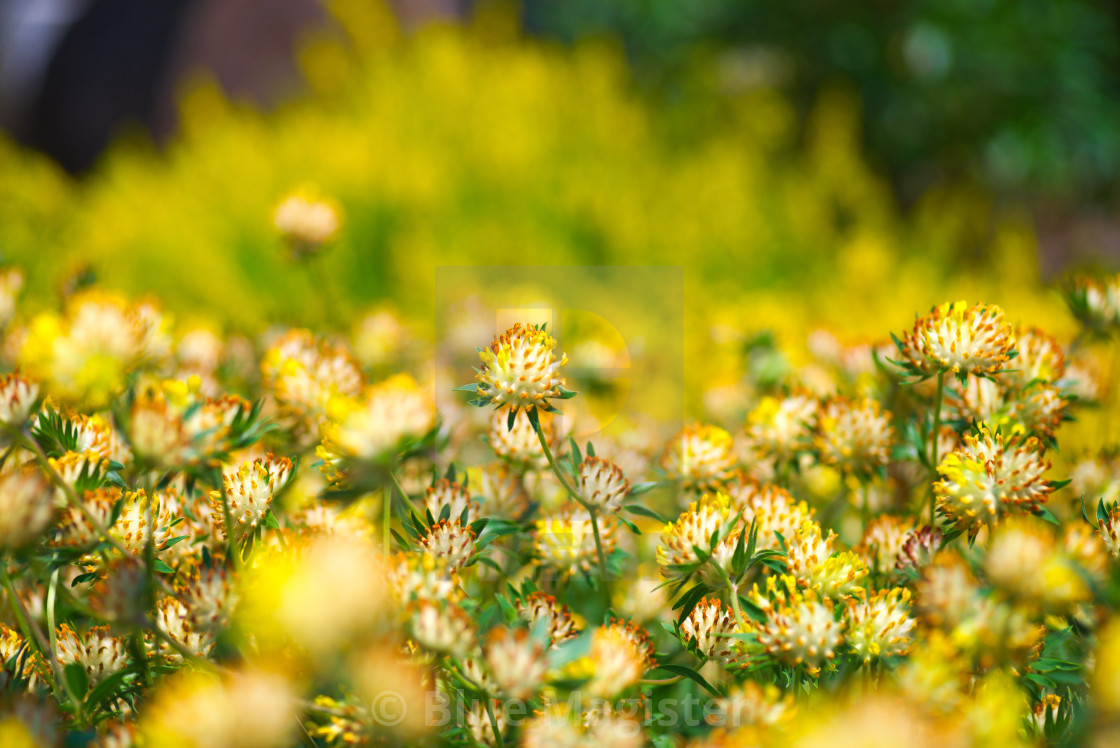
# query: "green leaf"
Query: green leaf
1102,513
691,674
467,388
1047,515
161,567
642,511
590,449
1056,484
106,687
270,520
633,528
88,577
640,488
513,417
178,539
75,675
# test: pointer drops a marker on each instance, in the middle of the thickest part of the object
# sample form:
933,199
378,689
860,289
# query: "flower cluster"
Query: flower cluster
190,553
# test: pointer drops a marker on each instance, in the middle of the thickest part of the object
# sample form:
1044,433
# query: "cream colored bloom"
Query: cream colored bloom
565,540
98,653
443,627
304,376
520,369
520,445
25,507
694,527
1110,532
621,654
540,608
249,491
879,624
779,427
601,484
391,415
816,564
1040,358
503,492
800,627
751,704
701,457
306,220
451,542
960,338
773,510
709,628
1024,560
991,475
883,541
18,396
854,435
516,662
246,709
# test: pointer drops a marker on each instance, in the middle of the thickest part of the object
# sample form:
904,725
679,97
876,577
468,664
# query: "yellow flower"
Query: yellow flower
701,457
694,527
990,475
565,540
854,435
879,624
520,370
960,338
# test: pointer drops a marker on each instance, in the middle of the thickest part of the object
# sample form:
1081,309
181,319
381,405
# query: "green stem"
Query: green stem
52,600
933,449
494,722
386,505
590,511
865,509
232,552
734,592
404,494
32,631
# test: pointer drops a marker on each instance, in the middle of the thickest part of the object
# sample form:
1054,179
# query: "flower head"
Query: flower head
709,628
700,456
565,540
391,416
98,653
249,490
516,662
990,475
778,427
815,564
853,435
800,628
538,607
18,396
306,221
959,338
601,484
450,541
25,507
879,624
520,370
693,529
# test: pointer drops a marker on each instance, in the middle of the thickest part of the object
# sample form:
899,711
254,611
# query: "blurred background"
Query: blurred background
806,163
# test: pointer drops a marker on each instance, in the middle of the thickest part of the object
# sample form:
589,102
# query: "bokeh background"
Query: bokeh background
806,164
